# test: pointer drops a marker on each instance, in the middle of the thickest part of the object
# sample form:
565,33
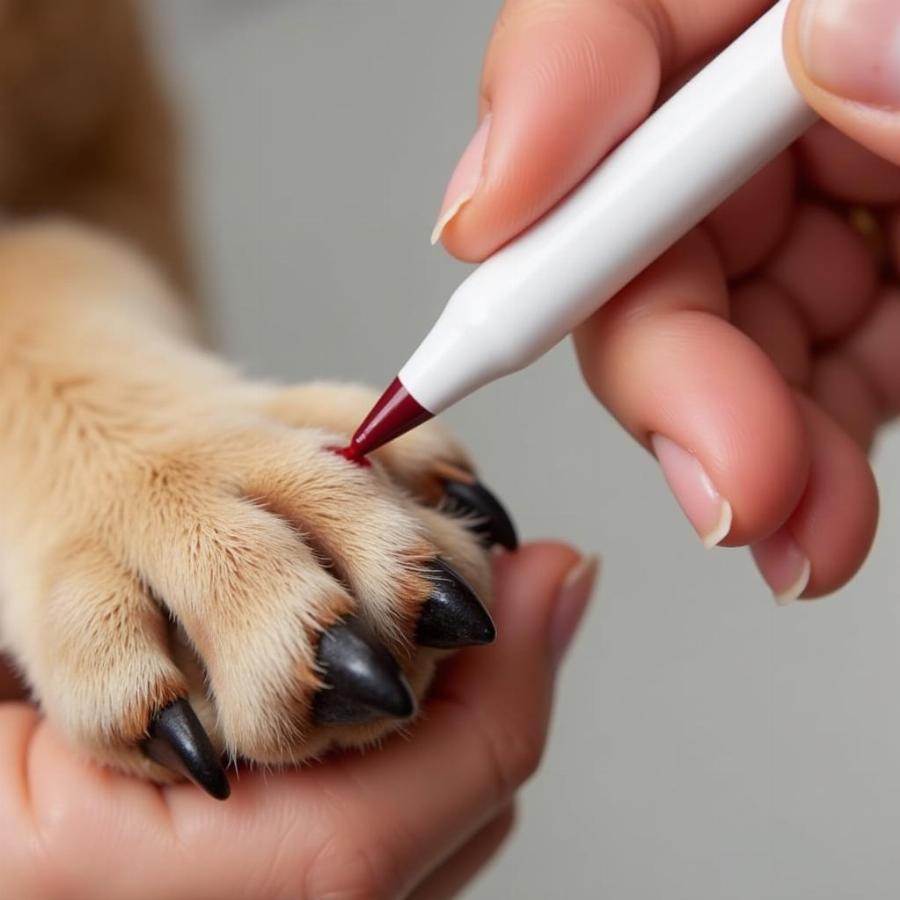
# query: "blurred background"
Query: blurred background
707,745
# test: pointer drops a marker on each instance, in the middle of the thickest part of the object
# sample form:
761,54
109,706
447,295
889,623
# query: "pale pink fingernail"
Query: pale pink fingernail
707,510
783,564
571,602
465,178
852,48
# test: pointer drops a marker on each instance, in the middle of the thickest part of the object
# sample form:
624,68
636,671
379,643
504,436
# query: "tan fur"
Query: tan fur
166,527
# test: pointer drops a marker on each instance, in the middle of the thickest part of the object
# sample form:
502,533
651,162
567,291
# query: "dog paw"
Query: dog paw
429,462
189,572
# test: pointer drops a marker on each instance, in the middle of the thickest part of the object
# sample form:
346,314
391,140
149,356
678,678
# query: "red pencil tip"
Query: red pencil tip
395,413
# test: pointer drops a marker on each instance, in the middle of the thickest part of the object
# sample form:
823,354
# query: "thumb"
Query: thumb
844,56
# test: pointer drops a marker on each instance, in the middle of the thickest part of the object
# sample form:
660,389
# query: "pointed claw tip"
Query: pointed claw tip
177,740
493,521
453,616
402,704
364,682
218,788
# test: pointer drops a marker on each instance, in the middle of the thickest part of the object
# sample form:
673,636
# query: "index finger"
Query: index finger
563,83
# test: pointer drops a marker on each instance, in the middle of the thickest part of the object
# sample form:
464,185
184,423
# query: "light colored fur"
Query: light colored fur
167,528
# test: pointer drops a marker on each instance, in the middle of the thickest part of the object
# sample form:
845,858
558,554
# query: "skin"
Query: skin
762,341
782,429
419,818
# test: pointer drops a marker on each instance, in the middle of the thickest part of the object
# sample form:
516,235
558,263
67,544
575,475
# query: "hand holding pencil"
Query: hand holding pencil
757,357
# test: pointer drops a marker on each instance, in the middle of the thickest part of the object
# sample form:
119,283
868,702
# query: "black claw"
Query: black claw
492,522
452,616
363,680
178,742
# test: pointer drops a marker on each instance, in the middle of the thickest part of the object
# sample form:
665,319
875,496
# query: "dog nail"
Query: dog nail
452,616
178,742
492,521
363,680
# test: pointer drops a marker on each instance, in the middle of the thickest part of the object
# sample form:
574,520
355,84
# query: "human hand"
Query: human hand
420,817
757,358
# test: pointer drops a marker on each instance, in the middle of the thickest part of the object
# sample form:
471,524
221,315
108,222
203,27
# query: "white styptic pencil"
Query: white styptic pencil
725,124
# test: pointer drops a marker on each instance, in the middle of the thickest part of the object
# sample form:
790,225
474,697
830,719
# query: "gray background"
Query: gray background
707,745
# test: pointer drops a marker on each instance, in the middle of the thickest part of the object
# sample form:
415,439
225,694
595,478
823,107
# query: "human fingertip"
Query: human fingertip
784,566
707,510
464,180
844,56
851,48
527,584
572,600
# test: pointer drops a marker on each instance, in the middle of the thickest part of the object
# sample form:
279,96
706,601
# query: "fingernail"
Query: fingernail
852,48
784,566
464,180
706,509
571,602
